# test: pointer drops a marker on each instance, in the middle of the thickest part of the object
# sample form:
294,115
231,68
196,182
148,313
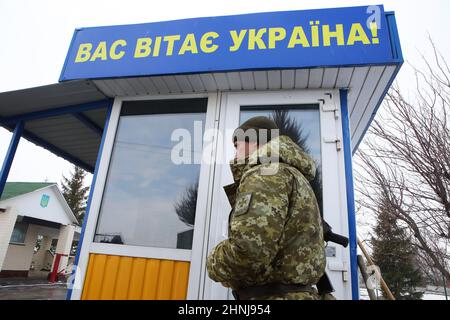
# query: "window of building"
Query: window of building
302,124
19,232
151,189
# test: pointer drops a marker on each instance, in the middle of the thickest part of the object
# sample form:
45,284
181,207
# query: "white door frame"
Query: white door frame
333,173
195,255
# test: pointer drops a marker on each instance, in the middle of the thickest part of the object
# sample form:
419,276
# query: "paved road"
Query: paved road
31,289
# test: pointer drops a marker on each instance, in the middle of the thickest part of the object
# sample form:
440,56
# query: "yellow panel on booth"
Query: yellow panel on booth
111,277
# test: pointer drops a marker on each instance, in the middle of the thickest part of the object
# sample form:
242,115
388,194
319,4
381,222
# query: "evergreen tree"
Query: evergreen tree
75,193
395,255
185,207
290,127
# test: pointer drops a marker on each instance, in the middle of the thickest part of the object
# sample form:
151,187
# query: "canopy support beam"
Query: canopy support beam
17,134
88,123
56,112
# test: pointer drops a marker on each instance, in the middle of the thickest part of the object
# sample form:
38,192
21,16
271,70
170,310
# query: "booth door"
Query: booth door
310,118
151,216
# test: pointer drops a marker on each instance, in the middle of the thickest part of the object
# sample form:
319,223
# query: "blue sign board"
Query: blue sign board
277,40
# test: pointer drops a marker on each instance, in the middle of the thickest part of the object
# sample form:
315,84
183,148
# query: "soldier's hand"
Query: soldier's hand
226,284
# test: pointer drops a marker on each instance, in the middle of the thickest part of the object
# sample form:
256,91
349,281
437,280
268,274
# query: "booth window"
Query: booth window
150,194
302,124
19,232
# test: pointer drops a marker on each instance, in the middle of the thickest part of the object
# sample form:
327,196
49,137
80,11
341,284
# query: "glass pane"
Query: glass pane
302,124
19,232
149,199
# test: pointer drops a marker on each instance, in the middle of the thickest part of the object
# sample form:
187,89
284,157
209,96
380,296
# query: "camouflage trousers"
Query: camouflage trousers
292,296
299,296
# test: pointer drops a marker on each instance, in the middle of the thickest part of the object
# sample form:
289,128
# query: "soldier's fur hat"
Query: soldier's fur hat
254,128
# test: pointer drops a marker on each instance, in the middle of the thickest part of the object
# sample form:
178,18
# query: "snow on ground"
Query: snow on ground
363,295
433,296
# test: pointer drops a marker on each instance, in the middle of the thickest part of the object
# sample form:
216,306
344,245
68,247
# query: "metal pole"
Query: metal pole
347,143
10,155
445,287
370,261
362,268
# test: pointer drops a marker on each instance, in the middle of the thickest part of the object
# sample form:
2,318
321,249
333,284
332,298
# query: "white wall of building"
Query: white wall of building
41,258
7,222
64,245
29,205
19,256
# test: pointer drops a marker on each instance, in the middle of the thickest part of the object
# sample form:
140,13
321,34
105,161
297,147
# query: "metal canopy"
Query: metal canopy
367,86
65,118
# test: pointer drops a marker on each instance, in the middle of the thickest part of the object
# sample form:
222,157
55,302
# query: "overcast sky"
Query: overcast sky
35,37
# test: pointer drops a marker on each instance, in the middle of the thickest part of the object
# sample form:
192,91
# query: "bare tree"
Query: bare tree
405,163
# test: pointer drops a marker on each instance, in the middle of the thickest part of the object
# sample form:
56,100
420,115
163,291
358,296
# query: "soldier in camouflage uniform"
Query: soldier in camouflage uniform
275,248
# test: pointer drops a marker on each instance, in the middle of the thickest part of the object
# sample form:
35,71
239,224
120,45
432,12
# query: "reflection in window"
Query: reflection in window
302,124
148,199
19,232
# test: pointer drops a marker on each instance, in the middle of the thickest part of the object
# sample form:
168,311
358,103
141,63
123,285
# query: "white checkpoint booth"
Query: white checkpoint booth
151,109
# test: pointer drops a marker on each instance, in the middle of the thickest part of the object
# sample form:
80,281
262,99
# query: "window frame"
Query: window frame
26,226
193,256
333,173
152,250
207,221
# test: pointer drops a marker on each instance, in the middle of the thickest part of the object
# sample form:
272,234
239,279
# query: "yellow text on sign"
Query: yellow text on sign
115,51
189,44
314,35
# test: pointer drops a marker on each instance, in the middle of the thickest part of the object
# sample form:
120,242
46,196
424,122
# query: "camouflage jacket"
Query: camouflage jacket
275,231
